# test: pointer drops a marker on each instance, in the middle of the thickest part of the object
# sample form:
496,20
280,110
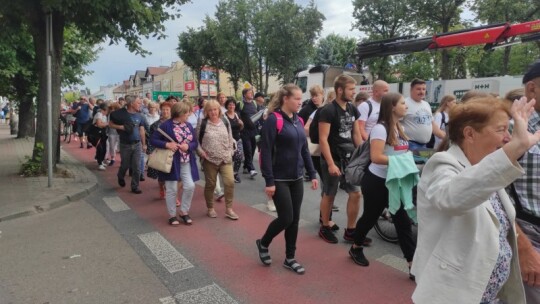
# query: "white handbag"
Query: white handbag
161,159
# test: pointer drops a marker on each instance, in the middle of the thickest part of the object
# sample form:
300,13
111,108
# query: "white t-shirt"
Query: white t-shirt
101,117
439,122
379,132
417,121
371,121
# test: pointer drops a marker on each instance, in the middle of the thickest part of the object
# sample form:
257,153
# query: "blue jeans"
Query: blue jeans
413,145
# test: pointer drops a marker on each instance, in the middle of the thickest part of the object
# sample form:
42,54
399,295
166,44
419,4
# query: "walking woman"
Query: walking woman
387,139
216,149
467,234
284,155
184,166
441,116
113,137
101,122
236,126
165,108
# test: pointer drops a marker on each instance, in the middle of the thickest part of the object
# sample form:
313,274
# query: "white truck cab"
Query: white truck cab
323,75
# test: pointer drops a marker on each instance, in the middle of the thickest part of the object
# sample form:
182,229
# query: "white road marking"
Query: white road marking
116,204
211,294
394,262
166,254
167,300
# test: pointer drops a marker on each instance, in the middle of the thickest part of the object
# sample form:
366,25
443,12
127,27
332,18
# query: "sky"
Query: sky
115,63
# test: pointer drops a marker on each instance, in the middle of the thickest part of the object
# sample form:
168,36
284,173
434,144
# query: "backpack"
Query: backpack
314,127
431,142
279,127
204,122
358,163
370,109
279,121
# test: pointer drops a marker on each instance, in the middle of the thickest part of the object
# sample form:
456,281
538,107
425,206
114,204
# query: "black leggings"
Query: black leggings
375,200
250,145
288,200
101,149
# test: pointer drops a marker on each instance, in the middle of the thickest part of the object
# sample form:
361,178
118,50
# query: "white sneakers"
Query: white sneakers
252,174
270,205
101,167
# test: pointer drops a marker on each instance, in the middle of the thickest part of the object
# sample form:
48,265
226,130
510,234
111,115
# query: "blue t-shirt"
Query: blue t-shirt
83,115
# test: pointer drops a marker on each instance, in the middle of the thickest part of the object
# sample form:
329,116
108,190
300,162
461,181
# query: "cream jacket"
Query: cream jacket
458,231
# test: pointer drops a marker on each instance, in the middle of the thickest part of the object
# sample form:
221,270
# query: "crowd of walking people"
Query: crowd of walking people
476,201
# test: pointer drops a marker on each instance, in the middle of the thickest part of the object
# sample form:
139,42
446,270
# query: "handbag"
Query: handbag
161,159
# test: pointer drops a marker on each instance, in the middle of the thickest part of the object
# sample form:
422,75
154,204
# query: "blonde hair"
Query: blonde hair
330,96
316,90
444,103
152,104
278,98
211,104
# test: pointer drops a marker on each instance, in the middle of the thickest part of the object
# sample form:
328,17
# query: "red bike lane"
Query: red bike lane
226,250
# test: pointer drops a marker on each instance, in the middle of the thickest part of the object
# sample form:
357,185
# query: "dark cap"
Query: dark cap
533,72
258,94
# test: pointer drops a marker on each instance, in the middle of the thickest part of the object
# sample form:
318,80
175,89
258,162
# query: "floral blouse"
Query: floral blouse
500,274
183,135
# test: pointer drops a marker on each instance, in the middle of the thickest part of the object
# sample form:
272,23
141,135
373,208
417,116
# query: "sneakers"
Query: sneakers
111,162
327,235
335,208
121,182
271,206
348,236
357,254
252,174
237,179
220,196
101,167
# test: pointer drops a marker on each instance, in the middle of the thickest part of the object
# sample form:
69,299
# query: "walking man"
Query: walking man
130,125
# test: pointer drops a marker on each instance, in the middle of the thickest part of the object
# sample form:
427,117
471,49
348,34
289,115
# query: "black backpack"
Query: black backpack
204,122
314,126
431,142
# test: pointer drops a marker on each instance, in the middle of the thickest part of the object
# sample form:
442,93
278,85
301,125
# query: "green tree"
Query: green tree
490,12
191,49
292,37
126,20
335,50
231,38
383,19
415,65
439,16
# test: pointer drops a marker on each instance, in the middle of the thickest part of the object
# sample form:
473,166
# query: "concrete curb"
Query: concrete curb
52,204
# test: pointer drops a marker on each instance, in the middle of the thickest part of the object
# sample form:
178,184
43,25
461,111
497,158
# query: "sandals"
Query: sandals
173,221
232,215
187,220
263,254
212,213
294,266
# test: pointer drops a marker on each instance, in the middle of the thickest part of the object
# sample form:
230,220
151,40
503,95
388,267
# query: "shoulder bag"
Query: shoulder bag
162,159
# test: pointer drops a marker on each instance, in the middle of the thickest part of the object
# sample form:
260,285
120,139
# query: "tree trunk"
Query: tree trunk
506,60
267,76
445,64
38,29
26,117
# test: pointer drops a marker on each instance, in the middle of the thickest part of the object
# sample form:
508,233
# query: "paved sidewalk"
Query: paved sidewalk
22,196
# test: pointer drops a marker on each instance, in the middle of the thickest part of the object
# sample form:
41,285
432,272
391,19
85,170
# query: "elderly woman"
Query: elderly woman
467,250
216,148
184,166
165,108
152,116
